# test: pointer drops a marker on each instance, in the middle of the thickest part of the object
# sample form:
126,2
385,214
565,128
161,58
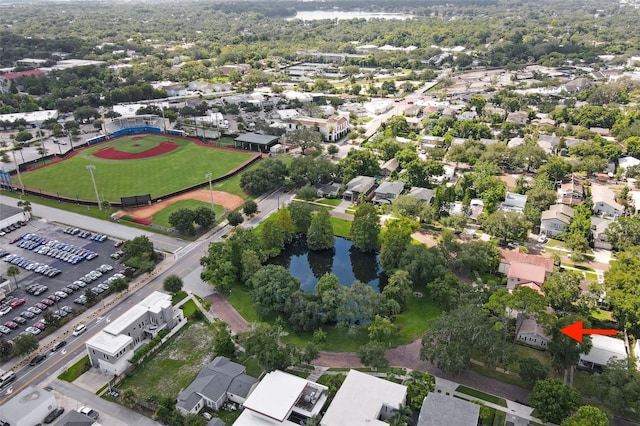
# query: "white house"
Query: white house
282,399
626,162
364,400
599,227
604,202
531,333
333,128
603,350
111,349
513,202
555,220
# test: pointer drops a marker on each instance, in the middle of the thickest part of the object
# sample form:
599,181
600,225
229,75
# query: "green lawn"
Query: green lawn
481,395
241,301
188,308
76,370
329,201
139,145
414,321
341,227
159,175
174,366
162,217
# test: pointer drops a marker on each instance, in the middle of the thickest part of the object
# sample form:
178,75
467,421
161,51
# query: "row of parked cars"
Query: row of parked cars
30,265
7,229
85,234
54,248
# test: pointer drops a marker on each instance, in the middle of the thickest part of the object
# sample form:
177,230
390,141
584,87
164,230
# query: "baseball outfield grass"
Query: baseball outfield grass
158,175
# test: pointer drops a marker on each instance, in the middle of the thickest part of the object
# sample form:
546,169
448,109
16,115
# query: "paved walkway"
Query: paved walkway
228,314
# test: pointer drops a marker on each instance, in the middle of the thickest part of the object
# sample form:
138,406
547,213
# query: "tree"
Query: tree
269,175
365,228
222,342
305,139
263,345
129,397
26,208
182,221
249,207
139,254
624,232
553,400
394,242
250,264
419,384
622,281
381,329
507,226
565,352
235,218
51,319
562,291
320,233
204,216
272,286
587,416
23,345
23,136
398,288
307,193
532,371
172,284
373,355
358,162
619,386
6,349
301,214
357,304
119,285
13,271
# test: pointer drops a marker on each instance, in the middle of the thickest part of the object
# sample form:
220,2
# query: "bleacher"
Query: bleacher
121,126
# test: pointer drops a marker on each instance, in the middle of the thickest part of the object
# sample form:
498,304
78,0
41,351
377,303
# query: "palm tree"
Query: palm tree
402,417
13,271
26,208
129,397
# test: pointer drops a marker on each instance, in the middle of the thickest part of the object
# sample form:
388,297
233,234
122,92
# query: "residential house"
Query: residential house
467,116
577,85
359,185
282,399
555,220
364,399
218,382
635,201
439,410
476,207
572,191
544,122
423,194
520,118
28,407
599,227
513,202
389,167
287,114
447,175
524,273
529,332
175,90
327,189
604,202
548,143
387,192
515,142
626,162
509,257
333,128
111,349
73,418
604,349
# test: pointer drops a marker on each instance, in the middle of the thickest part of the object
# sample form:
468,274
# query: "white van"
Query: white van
79,330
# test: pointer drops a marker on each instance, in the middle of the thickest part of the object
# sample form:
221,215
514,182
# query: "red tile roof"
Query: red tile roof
527,272
14,75
511,256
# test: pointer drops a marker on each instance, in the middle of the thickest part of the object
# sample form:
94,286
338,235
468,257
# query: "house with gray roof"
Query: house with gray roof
513,202
389,167
359,185
387,192
423,194
555,220
219,381
438,410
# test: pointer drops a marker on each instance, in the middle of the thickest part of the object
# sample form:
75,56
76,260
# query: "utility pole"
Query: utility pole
208,176
91,168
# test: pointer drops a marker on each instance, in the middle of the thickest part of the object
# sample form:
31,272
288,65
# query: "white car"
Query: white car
542,239
79,330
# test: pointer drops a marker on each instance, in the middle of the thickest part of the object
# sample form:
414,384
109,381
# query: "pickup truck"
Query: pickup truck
89,412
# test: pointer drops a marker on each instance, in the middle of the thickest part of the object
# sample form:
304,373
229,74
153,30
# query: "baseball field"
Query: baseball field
135,165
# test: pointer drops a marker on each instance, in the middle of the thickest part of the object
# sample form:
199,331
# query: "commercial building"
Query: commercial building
112,348
29,407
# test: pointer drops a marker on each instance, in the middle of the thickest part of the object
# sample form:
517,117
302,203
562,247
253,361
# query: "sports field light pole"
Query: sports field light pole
208,176
91,168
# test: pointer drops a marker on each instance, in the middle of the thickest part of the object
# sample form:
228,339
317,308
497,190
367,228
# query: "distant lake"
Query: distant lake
344,260
315,15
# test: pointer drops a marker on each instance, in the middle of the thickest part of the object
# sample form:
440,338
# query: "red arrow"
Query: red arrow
575,331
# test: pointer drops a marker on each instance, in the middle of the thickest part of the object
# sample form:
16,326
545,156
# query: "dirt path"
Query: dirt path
227,313
226,200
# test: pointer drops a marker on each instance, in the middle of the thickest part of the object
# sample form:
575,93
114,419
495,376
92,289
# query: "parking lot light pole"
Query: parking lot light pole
91,168
208,176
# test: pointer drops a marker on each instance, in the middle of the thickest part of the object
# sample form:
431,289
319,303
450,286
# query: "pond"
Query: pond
344,260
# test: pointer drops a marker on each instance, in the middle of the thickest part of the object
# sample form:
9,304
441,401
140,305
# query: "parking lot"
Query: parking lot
56,269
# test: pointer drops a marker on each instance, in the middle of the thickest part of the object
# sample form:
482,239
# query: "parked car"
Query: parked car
11,324
542,239
53,415
4,329
19,320
33,330
89,412
17,302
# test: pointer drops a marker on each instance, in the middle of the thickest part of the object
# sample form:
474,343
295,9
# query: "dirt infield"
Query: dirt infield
111,153
224,199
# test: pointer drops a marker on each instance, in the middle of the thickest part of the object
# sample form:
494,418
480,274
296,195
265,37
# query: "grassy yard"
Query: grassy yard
76,370
162,217
341,227
481,395
241,301
159,175
329,201
188,308
174,366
